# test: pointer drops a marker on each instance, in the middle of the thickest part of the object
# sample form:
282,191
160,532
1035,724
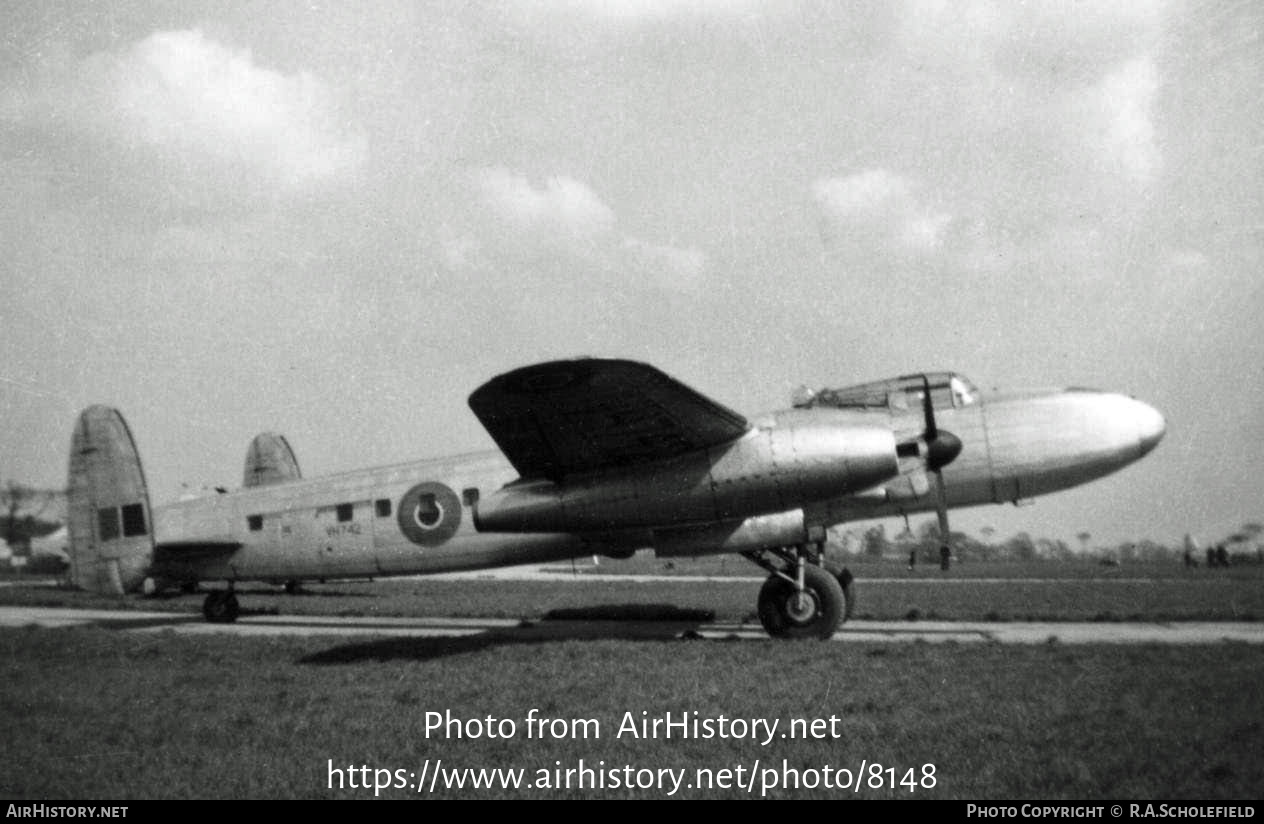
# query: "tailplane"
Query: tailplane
111,533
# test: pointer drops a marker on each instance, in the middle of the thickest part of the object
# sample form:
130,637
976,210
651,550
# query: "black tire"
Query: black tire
847,582
822,609
220,607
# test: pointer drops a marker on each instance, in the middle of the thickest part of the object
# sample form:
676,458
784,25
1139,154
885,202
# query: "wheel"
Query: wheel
815,613
846,581
220,607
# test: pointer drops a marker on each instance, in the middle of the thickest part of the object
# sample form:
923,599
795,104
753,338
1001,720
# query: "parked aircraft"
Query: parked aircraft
606,457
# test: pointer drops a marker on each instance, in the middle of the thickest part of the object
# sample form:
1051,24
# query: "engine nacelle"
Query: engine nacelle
759,532
799,459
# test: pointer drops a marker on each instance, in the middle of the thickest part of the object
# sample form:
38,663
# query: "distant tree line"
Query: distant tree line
924,543
26,513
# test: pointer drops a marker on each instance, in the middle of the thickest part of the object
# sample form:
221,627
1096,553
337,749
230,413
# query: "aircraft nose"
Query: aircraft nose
1150,426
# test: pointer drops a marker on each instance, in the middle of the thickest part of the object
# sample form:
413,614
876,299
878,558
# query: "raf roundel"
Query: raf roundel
429,514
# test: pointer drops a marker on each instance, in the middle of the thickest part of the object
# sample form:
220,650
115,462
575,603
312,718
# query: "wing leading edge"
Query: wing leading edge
573,416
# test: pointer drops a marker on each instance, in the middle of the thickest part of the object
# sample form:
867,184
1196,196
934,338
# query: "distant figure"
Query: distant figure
945,556
912,559
1211,557
1189,559
1222,556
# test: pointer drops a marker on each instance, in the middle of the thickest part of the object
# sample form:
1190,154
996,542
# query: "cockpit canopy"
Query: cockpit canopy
947,390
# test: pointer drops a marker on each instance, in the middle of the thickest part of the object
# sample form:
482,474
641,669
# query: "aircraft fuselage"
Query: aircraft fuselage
793,474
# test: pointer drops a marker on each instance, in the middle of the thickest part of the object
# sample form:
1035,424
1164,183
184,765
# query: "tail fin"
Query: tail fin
270,460
111,535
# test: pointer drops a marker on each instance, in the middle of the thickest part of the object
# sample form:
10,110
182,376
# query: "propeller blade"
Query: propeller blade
941,506
941,510
928,411
941,449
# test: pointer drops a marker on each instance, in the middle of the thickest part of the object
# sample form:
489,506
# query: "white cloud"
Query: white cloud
1191,260
884,206
560,206
668,267
1080,77
180,91
560,226
1043,41
1126,96
208,112
870,192
925,232
636,11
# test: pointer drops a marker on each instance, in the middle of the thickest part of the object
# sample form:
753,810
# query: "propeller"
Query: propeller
941,448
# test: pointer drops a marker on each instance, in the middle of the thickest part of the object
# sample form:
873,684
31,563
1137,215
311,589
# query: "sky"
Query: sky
335,221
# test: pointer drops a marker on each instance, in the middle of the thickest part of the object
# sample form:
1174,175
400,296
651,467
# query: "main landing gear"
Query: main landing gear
220,606
801,599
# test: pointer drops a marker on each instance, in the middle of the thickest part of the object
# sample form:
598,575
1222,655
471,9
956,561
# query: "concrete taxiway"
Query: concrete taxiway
1192,632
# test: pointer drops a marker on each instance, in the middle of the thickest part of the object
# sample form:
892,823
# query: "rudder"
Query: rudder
111,531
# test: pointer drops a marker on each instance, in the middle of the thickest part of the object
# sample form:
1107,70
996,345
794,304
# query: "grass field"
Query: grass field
97,713
91,713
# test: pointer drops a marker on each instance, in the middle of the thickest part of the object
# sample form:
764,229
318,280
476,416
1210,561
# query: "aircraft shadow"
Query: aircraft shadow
631,612
629,622
278,592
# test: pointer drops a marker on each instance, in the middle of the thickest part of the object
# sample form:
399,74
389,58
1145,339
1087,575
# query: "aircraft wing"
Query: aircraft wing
565,417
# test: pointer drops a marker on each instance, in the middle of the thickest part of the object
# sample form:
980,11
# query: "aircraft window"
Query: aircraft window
963,391
940,396
133,520
255,522
470,496
108,523
859,397
345,512
383,507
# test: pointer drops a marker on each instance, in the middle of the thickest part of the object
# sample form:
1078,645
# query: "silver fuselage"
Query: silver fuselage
782,483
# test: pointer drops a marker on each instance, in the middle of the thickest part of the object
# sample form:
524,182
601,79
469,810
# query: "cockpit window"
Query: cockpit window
963,392
947,390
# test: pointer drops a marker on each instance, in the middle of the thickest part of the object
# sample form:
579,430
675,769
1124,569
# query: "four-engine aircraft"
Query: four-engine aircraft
606,457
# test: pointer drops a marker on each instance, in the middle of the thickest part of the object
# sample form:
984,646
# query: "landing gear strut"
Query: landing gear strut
220,606
800,599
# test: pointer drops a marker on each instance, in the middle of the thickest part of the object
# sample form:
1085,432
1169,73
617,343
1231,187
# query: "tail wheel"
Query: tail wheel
220,607
813,613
